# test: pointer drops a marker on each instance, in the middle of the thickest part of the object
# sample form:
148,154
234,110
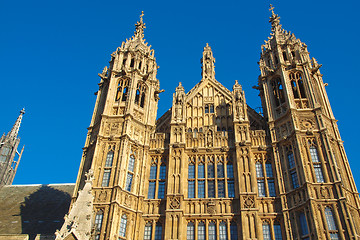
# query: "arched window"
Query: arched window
98,220
212,231
266,231
107,169
158,231
331,225
122,90
130,172
233,231
278,91
98,223
140,94
123,222
201,231
297,85
316,164
293,172
190,233
147,231
195,132
223,231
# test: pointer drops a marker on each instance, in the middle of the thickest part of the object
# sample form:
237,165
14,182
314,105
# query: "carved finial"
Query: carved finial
139,27
271,8
274,20
141,16
89,175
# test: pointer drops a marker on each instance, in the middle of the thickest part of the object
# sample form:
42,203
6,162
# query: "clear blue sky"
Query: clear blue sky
51,52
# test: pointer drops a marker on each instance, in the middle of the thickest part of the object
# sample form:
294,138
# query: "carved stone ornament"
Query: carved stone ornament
242,143
211,209
262,148
248,202
224,149
175,202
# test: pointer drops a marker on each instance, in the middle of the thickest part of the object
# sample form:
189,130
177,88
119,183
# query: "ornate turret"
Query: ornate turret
9,156
306,144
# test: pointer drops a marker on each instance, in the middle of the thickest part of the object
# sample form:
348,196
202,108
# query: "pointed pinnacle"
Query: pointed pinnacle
15,129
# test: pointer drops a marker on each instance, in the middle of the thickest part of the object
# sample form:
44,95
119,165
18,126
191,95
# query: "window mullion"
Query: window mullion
206,180
216,178
196,180
265,178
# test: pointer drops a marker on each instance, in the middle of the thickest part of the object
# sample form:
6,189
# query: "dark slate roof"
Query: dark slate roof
34,209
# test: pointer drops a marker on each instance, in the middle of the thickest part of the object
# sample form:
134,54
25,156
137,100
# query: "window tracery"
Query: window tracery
157,178
314,156
107,167
331,225
265,177
278,91
211,172
123,223
122,90
297,85
140,94
130,172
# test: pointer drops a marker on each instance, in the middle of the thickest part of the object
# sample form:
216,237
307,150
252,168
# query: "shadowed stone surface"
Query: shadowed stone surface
34,209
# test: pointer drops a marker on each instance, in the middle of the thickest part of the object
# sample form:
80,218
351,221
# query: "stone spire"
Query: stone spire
139,27
15,129
78,223
208,63
274,20
9,155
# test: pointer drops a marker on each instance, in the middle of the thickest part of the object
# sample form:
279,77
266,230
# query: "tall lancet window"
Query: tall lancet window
122,90
316,162
98,223
107,168
130,172
297,85
123,223
278,91
140,94
331,225
292,168
157,178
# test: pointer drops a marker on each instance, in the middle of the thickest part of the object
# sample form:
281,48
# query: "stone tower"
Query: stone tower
118,139
318,196
9,155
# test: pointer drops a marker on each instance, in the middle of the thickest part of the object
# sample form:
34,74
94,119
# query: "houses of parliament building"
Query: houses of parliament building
212,167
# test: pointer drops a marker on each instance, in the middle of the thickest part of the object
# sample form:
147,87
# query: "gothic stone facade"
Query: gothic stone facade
211,167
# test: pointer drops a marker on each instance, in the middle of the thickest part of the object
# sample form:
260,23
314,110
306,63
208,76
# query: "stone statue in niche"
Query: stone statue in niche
239,102
209,139
179,98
